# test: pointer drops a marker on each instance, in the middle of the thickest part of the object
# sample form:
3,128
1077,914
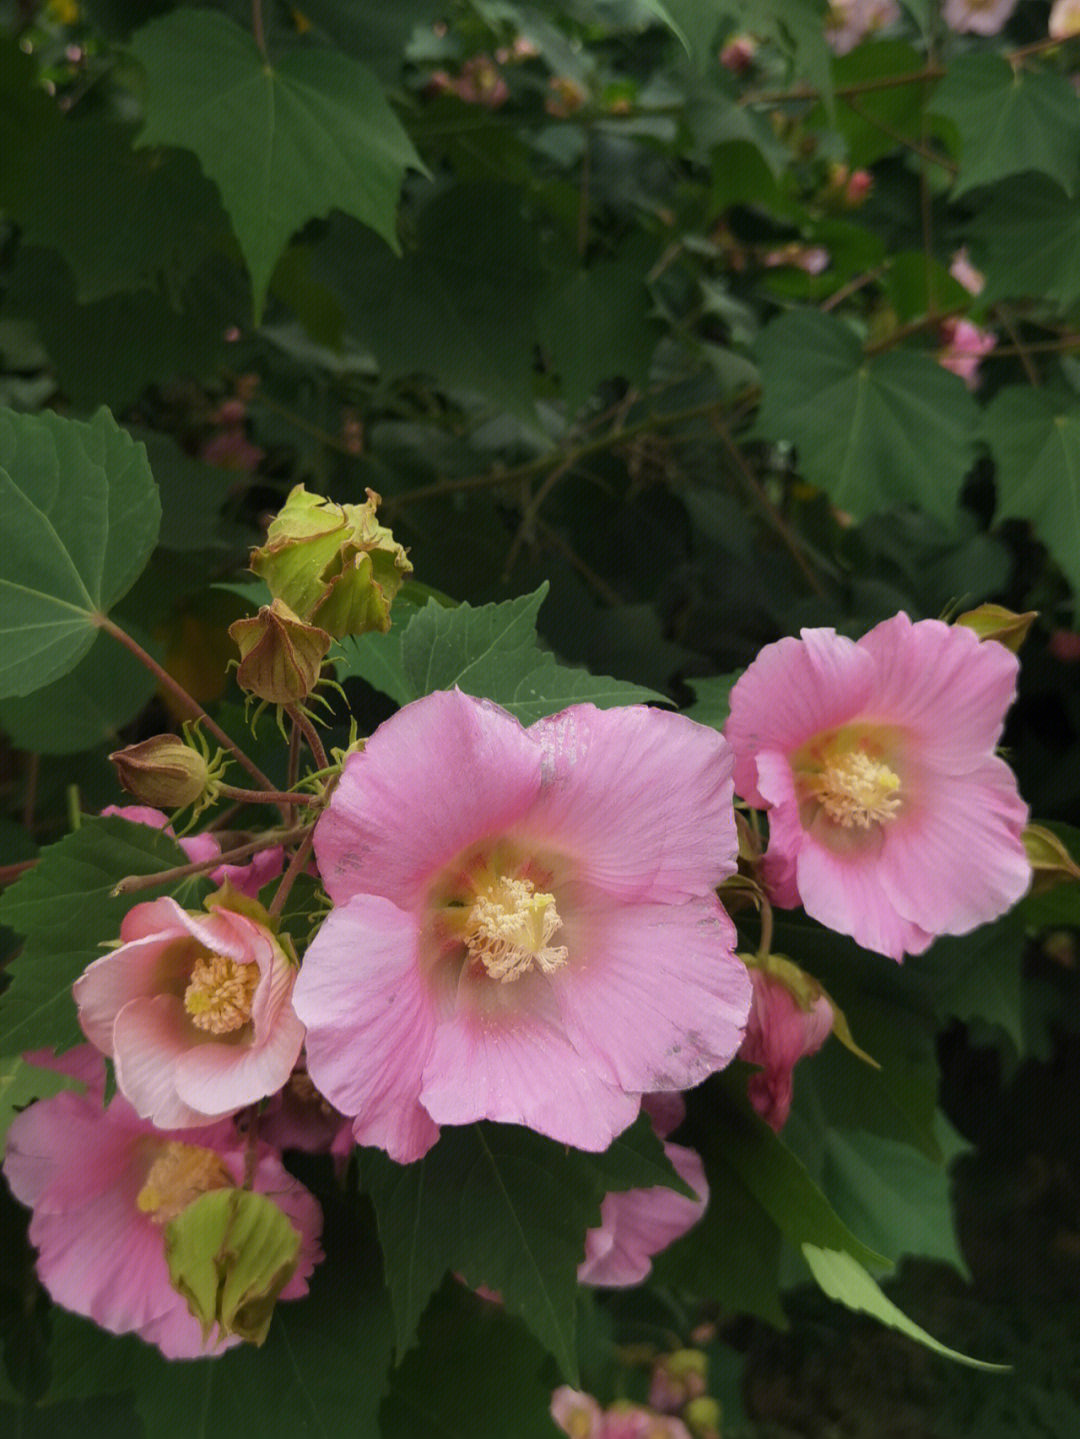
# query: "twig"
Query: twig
10,872
1018,347
33,770
853,286
257,28
916,146
132,883
266,796
288,879
308,730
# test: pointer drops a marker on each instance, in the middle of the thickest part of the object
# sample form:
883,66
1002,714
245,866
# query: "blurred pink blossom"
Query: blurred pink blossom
977,17
738,54
1064,19
965,345
847,22
965,273
579,1416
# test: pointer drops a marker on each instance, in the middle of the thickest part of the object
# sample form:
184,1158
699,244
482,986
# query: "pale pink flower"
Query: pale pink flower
194,1010
635,1224
965,273
230,449
977,17
103,1183
965,345
847,22
579,1416
811,258
525,925
890,817
248,878
1064,19
781,1031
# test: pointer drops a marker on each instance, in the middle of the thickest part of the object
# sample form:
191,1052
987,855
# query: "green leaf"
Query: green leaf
106,689
79,516
284,141
506,1208
475,1375
694,22
371,30
712,699
460,307
1010,119
27,117
20,1084
871,121
1027,239
65,908
1034,437
490,652
979,976
595,326
872,433
843,1278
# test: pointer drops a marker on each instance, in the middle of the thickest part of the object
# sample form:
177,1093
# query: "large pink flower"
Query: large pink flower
103,1183
890,817
526,928
195,1011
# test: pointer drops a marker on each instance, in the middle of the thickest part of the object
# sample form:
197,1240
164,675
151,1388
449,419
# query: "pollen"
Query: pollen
856,791
219,995
179,1174
510,927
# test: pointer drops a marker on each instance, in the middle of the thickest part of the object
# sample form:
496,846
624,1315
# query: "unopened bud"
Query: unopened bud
995,622
333,565
230,1254
162,771
1051,862
280,655
678,1378
702,1417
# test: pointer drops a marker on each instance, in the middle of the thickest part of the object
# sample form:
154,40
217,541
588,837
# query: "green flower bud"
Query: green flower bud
162,771
230,1254
995,622
702,1417
333,565
280,655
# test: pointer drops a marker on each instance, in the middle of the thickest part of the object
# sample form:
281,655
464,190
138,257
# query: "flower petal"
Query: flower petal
638,1223
151,1035
845,892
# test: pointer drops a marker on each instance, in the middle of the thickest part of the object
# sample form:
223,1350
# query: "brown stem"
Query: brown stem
765,947
917,147
1018,347
257,28
180,694
266,796
854,286
33,770
11,872
308,730
296,867
132,883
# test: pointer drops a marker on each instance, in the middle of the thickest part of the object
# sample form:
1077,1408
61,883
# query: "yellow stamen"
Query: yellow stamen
220,993
855,790
508,929
178,1175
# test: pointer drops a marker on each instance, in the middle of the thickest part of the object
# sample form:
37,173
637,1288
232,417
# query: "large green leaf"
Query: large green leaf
872,433
1010,120
1034,437
79,516
1027,239
66,910
284,141
506,1208
27,117
491,652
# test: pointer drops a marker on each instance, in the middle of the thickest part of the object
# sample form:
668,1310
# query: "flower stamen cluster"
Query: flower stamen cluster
178,1175
857,791
509,927
220,993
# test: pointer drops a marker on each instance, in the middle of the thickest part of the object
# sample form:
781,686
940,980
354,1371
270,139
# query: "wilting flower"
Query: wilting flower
788,1020
526,928
890,817
847,22
965,345
977,17
194,1010
103,1184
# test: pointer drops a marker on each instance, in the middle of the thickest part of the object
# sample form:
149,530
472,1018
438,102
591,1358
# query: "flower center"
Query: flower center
855,790
220,993
178,1175
508,929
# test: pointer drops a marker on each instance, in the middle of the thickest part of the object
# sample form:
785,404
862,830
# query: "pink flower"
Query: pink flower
780,1032
248,878
230,449
298,1117
194,1010
635,1224
1064,19
738,53
579,1416
526,928
103,1183
965,273
977,17
965,346
847,22
890,816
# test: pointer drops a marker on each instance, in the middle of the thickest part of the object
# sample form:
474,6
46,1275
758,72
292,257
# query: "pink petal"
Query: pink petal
653,994
151,1035
641,799
83,1063
41,1141
370,1023
638,1223
944,685
960,861
845,893
222,1078
438,775
134,971
794,689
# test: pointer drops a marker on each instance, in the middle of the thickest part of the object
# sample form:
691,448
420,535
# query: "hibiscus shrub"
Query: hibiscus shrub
526,529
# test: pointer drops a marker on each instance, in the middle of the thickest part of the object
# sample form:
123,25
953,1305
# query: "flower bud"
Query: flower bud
1051,862
162,771
230,1254
333,565
703,1418
280,655
678,1378
995,622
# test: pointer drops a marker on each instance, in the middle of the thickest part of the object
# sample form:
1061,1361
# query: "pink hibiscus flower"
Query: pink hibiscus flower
781,1031
977,17
248,878
890,817
965,346
194,1010
103,1183
526,928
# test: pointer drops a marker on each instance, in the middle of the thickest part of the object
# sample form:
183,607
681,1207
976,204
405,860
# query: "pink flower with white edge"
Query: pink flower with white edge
965,345
977,17
104,1183
890,817
525,925
248,878
194,1010
785,1026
